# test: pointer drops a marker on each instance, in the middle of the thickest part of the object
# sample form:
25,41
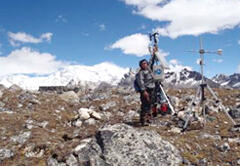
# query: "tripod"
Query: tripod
158,71
161,93
200,94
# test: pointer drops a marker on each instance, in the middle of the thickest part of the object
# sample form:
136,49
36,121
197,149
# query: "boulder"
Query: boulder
175,101
2,87
5,153
70,97
90,121
14,88
71,160
182,115
84,113
83,144
107,106
52,162
238,161
203,162
21,138
175,130
89,153
96,115
32,151
78,123
234,140
224,147
122,145
209,136
235,113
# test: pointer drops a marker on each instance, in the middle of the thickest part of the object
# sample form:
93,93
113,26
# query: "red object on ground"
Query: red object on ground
164,107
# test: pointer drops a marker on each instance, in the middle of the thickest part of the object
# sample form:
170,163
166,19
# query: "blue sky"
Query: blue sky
39,37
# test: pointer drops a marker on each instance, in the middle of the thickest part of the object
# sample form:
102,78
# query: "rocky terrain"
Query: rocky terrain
228,81
100,127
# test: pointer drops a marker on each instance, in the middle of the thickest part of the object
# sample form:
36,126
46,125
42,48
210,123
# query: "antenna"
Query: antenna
201,52
154,45
200,43
203,85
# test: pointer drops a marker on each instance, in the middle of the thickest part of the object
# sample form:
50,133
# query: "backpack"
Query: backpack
135,83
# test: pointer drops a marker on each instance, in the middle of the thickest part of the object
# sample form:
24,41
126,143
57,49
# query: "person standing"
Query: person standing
147,90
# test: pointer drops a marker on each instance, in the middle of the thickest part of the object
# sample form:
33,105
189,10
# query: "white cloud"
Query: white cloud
164,54
141,3
136,44
174,61
102,27
142,27
21,37
47,36
189,17
176,66
239,42
218,60
28,61
61,18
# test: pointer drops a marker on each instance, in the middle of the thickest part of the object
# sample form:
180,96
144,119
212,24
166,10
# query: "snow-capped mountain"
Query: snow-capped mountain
113,74
228,81
174,78
220,78
186,78
104,72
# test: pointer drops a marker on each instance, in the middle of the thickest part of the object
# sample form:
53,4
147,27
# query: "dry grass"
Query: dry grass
59,138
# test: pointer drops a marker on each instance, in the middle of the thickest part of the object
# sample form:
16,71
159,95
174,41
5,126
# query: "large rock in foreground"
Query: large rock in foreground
123,145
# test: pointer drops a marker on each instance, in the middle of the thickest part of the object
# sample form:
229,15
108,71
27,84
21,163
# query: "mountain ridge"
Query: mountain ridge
115,75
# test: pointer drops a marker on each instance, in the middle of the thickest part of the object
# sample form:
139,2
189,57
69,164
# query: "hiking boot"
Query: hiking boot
154,114
142,120
148,118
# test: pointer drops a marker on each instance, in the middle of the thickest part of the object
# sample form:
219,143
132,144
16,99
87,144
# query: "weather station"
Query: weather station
200,97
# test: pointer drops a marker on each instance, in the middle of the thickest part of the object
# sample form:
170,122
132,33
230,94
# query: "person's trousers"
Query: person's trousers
146,106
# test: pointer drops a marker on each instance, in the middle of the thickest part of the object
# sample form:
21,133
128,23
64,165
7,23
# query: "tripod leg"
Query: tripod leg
204,113
212,93
198,96
191,110
221,105
170,105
